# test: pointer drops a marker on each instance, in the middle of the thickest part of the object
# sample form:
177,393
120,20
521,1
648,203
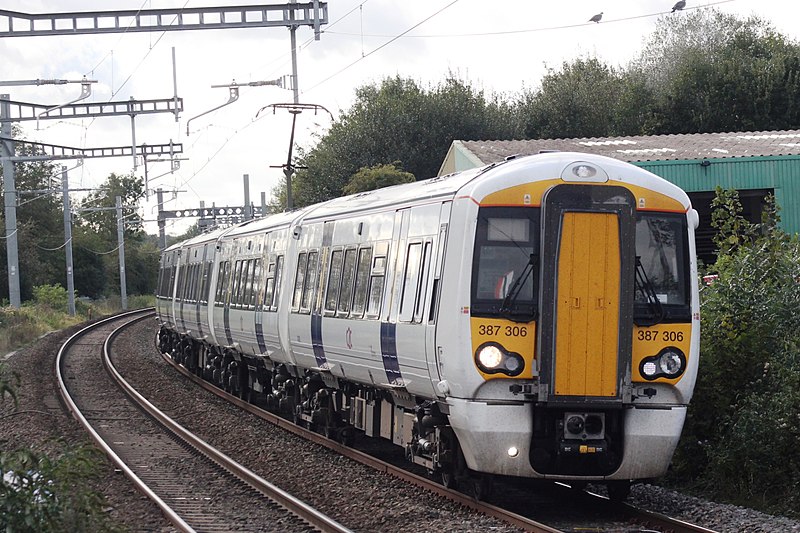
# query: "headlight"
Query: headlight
492,358
668,363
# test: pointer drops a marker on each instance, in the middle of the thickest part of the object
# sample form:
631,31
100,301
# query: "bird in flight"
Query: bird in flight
597,17
678,6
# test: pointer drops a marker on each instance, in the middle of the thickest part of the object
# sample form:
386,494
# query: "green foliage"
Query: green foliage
712,72
397,121
39,226
377,177
586,98
43,494
743,421
53,297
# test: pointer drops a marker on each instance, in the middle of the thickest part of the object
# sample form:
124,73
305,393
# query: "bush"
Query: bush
53,297
740,437
41,494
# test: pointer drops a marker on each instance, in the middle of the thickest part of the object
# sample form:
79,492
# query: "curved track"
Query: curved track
623,517
182,474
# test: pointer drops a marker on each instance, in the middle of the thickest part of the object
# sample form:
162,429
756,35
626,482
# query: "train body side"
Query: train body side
395,301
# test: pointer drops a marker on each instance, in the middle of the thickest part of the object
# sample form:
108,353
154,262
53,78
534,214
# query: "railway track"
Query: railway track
196,487
598,514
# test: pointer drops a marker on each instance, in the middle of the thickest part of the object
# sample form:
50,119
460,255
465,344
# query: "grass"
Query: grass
20,327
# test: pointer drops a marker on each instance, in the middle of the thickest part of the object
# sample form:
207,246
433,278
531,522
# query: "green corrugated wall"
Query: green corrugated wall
781,173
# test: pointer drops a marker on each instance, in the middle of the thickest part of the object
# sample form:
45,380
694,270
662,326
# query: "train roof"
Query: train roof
547,166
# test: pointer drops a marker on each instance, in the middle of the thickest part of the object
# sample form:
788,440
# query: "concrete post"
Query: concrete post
68,241
123,289
10,195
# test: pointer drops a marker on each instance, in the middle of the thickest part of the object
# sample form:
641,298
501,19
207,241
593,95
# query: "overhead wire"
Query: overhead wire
364,56
387,43
54,249
531,30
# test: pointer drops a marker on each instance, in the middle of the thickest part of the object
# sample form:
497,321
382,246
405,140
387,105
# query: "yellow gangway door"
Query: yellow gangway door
587,313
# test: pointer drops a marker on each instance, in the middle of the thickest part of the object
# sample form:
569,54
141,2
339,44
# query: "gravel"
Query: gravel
41,423
313,473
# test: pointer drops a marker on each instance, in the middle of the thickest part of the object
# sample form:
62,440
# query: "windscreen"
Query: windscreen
505,261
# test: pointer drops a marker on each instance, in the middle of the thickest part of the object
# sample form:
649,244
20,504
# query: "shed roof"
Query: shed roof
645,148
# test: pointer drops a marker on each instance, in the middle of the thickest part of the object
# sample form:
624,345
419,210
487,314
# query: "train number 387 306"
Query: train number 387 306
508,331
654,335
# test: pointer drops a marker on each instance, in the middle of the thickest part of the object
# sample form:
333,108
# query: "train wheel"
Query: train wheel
482,486
346,435
449,479
618,491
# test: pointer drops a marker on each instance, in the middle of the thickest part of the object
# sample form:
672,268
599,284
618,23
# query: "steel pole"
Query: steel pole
162,223
68,241
123,290
10,196
248,209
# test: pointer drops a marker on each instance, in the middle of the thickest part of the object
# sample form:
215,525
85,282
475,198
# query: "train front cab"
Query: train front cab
582,328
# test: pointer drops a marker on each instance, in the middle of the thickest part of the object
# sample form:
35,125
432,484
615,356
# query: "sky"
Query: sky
499,47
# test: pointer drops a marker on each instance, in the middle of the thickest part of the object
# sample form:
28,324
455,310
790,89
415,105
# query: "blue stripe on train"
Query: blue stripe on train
199,323
226,320
260,332
316,340
389,353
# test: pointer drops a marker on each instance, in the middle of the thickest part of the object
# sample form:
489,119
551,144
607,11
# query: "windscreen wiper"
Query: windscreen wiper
516,288
645,287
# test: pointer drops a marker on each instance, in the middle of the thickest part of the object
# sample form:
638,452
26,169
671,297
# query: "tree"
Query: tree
96,257
397,121
377,177
586,98
40,229
713,72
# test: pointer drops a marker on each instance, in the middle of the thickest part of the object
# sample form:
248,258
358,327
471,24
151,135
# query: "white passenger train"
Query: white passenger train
535,318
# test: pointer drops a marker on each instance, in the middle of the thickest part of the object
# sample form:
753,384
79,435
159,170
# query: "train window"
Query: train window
255,277
348,275
181,277
423,282
375,294
218,295
310,284
237,276
362,280
302,263
247,283
278,282
505,262
187,283
223,282
269,289
159,282
663,251
334,280
410,282
162,285
192,283
199,281
206,281
171,281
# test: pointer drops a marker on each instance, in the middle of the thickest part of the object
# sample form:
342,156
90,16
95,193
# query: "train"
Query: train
534,318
